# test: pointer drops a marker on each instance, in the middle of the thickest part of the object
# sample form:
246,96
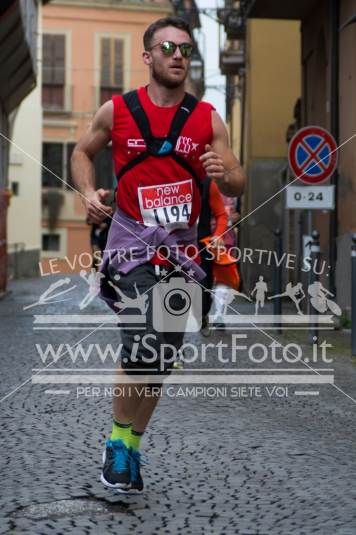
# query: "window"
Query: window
67,172
53,72
104,170
51,242
52,158
54,243
15,188
111,71
56,157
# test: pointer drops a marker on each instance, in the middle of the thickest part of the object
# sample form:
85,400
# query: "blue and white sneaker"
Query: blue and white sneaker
136,486
116,469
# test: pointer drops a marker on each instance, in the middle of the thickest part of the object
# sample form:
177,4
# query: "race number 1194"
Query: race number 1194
172,214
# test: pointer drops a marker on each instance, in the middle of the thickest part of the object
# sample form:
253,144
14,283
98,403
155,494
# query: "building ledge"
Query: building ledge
279,9
144,5
231,61
58,123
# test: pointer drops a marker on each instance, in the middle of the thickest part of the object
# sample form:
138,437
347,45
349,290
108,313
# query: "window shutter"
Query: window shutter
70,148
58,57
104,169
53,66
111,68
105,63
111,62
52,158
118,64
47,64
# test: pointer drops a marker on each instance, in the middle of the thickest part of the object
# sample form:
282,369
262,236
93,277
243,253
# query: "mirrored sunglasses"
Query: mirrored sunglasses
168,48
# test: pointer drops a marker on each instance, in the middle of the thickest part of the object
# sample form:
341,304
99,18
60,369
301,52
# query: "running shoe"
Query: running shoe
205,329
116,469
136,486
219,324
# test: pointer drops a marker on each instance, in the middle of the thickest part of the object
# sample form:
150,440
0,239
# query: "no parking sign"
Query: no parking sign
312,154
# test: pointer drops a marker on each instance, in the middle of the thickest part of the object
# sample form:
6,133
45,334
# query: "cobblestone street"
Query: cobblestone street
225,464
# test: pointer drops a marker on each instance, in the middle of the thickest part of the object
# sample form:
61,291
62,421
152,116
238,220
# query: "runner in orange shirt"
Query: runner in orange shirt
212,207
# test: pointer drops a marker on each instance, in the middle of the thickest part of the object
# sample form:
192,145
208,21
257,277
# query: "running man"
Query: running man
212,207
260,289
164,144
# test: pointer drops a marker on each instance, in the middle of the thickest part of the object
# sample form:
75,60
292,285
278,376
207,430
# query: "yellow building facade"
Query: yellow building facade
270,86
274,84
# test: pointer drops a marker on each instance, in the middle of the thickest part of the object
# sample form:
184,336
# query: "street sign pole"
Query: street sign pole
309,233
315,256
353,296
277,278
312,155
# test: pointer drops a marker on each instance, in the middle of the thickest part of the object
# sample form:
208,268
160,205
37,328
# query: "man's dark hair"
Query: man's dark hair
176,22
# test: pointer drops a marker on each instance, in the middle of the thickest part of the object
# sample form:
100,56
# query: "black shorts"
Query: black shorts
146,350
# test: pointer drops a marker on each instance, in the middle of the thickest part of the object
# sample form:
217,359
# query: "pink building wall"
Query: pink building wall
82,26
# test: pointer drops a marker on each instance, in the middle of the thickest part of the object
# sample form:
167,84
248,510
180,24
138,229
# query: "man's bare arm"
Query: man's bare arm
92,141
220,162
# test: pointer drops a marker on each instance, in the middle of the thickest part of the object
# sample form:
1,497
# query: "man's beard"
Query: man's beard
166,82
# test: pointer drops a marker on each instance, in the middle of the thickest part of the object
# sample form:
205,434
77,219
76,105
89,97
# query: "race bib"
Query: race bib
168,205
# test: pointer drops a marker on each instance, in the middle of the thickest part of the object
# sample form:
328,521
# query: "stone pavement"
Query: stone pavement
219,465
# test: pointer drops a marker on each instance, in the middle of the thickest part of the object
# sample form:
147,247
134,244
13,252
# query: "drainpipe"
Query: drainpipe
4,198
4,203
242,77
334,128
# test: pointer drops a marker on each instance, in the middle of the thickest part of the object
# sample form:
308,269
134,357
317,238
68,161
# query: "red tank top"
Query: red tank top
158,190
